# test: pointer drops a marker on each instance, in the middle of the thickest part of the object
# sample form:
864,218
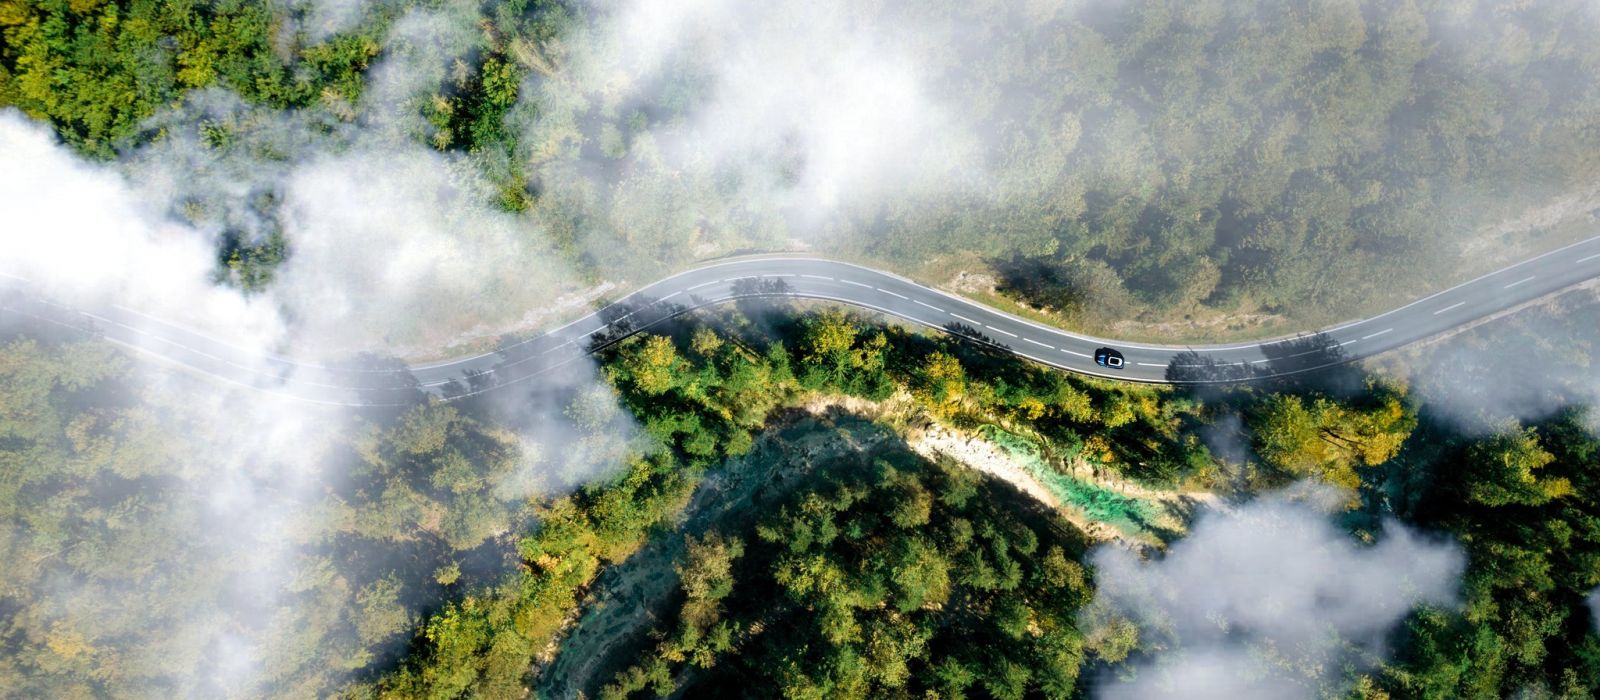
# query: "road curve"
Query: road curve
388,382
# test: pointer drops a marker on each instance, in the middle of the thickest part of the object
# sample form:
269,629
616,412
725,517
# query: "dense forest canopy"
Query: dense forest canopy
139,534
701,389
1158,158
891,577
418,538
1140,160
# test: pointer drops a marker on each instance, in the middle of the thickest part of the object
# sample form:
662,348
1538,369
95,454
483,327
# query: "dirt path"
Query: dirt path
934,441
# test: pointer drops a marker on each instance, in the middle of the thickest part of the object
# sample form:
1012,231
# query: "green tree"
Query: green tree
1504,470
904,577
652,364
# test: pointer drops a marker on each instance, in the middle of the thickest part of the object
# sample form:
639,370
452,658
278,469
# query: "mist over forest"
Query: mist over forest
391,180
1311,160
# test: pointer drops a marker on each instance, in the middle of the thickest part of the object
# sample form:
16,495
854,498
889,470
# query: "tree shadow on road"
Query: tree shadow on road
962,330
1307,362
383,384
757,296
761,286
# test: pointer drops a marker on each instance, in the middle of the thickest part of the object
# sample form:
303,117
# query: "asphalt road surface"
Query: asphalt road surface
376,381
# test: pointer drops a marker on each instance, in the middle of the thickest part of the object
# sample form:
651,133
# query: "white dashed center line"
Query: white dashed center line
997,330
1149,364
1525,279
858,284
1042,345
818,277
931,306
885,291
669,296
1374,335
703,284
1583,260
1447,308
1071,352
964,318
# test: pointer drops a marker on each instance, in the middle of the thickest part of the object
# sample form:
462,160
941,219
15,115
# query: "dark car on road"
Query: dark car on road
1106,357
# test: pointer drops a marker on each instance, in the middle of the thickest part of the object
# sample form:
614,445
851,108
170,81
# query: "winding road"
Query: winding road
388,382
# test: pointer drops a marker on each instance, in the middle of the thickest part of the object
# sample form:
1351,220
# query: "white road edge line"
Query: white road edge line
1374,335
265,356
1456,305
865,305
1042,345
552,334
1048,329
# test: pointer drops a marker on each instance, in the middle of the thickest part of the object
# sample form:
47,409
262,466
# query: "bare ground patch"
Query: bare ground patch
934,440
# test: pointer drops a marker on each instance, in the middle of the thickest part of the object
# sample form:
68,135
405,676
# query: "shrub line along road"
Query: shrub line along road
378,382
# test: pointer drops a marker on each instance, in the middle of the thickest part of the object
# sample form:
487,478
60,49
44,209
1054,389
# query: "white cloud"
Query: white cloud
831,102
1261,602
1526,367
1593,601
419,255
801,109
320,19
85,235
79,232
391,247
